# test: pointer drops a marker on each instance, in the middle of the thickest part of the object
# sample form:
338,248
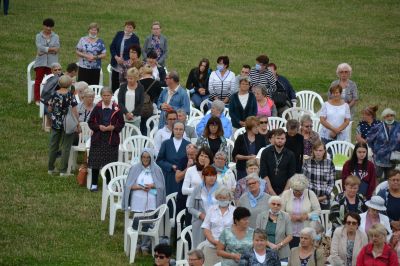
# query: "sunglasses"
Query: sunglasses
263,122
351,223
161,257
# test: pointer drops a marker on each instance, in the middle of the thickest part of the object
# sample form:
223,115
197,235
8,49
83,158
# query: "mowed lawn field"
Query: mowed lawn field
48,220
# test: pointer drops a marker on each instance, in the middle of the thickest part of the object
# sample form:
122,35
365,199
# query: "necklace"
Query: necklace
277,162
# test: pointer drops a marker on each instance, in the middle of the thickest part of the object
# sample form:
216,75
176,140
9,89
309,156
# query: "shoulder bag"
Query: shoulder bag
147,109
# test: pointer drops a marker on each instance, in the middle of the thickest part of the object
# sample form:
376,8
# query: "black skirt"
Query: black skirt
102,154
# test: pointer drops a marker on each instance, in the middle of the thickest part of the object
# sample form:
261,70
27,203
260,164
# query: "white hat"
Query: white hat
377,203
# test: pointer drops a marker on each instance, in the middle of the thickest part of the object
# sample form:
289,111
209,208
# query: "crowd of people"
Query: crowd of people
264,210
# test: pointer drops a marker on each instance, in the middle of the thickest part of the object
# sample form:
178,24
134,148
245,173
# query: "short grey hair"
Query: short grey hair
262,89
219,105
305,118
224,192
298,182
87,92
274,198
106,89
253,176
220,153
54,65
191,146
343,66
173,74
309,231
64,81
388,111
178,122
198,253
81,86
246,78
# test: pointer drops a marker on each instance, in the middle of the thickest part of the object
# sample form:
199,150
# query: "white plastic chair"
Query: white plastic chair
324,217
231,145
132,235
276,122
316,122
101,78
181,263
340,147
258,156
96,89
238,132
133,147
152,133
295,113
81,147
179,217
382,185
306,100
116,191
115,96
170,221
203,104
115,169
195,113
127,131
182,246
152,122
109,70
30,82
194,121
339,186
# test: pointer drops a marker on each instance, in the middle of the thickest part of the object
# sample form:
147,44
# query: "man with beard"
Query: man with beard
277,164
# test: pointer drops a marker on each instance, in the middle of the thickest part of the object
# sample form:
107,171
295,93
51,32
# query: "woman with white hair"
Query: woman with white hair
218,217
350,91
86,106
301,204
373,215
306,254
385,143
225,176
254,199
278,227
80,87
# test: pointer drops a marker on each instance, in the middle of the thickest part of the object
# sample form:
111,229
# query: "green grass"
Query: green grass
50,220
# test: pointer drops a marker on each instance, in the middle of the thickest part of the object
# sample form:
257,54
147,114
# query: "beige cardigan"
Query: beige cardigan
283,229
310,204
294,259
338,255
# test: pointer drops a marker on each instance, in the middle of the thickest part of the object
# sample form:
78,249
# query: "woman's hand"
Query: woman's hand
202,216
202,91
103,128
273,246
236,257
90,57
119,59
129,116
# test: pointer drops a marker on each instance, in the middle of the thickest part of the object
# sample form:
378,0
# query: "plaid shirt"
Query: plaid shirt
321,177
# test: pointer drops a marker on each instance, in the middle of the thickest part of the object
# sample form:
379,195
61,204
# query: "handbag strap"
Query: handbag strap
384,127
315,257
151,85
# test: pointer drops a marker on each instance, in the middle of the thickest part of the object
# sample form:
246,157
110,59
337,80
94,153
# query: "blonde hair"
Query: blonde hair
133,72
352,180
377,229
94,25
146,69
64,81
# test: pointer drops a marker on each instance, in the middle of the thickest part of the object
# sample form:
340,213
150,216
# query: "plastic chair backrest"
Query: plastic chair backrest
295,113
109,70
276,122
324,217
116,186
179,217
194,121
258,156
152,122
195,113
316,122
203,104
127,131
187,231
30,81
133,147
231,145
172,197
306,100
339,186
238,132
96,89
115,96
84,135
115,169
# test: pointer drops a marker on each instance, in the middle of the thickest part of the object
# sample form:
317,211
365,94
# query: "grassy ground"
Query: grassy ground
50,220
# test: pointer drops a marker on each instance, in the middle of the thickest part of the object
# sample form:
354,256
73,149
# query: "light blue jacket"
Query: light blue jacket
226,124
179,100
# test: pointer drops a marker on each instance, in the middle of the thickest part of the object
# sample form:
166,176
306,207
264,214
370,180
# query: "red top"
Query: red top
368,176
387,258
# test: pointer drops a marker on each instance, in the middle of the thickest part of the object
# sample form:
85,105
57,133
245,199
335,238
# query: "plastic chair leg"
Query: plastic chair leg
89,179
113,213
104,203
70,161
179,247
133,236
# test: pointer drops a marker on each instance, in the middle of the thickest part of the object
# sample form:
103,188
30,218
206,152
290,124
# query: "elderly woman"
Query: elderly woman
265,105
242,104
198,82
260,255
373,216
130,98
384,142
301,204
350,92
222,81
247,145
391,195
368,121
80,87
295,142
156,42
322,241
334,117
360,166
120,51
309,135
377,252
218,217
277,226
348,201
347,241
254,199
133,61
106,121
395,239
85,107
213,136
90,50
320,173
201,199
305,253
59,105
144,190
241,186
217,110
47,45
237,239
225,176
263,127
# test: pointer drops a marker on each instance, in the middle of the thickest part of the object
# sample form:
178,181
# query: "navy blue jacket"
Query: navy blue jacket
236,111
115,47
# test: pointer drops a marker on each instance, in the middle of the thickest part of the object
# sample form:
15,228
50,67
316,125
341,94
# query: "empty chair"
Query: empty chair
133,147
81,147
170,216
295,113
308,100
276,122
152,122
97,90
195,113
179,226
324,217
182,246
116,191
340,152
128,131
30,81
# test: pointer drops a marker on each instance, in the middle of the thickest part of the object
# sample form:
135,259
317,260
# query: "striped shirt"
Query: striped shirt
265,78
221,87
321,177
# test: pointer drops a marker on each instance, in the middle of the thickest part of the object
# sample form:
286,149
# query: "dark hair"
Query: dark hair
152,54
353,215
315,146
354,160
292,124
49,22
212,120
164,249
260,232
239,213
209,171
272,65
246,66
137,49
263,59
204,60
170,112
207,152
224,59
335,88
203,75
72,67
279,132
270,133
393,172
131,23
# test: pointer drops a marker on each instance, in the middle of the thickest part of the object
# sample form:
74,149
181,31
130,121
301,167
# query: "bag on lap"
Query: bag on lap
48,89
279,96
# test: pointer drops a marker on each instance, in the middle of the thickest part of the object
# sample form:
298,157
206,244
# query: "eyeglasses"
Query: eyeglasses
57,69
252,183
263,122
161,257
310,126
193,259
351,223
275,204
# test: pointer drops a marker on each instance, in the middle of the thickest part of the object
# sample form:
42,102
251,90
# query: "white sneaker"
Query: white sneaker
65,174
